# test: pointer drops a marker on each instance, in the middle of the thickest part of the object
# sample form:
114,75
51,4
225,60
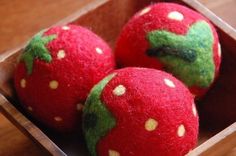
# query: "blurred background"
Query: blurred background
20,19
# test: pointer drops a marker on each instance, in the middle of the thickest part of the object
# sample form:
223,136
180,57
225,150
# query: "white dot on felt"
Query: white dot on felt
194,109
99,50
57,118
79,107
144,11
53,84
175,15
113,153
23,83
30,108
151,124
169,83
181,131
119,90
65,28
61,54
219,50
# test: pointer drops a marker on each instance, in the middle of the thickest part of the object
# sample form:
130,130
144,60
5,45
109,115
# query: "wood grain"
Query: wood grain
15,142
225,9
29,129
221,144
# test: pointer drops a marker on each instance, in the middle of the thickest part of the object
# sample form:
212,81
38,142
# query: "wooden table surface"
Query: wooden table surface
20,19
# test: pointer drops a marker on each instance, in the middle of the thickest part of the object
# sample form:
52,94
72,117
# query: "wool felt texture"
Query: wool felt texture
56,72
37,49
188,57
174,38
150,113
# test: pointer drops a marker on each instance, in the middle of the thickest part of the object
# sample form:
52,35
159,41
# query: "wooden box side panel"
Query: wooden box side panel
223,143
28,128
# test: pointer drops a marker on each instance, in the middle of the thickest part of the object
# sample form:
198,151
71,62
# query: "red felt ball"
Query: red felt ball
174,38
56,71
140,111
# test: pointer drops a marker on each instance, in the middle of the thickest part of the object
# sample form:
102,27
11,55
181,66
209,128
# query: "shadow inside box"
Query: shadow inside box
73,143
217,107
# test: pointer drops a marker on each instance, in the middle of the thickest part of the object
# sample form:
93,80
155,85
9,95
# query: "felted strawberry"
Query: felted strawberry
174,38
141,112
56,71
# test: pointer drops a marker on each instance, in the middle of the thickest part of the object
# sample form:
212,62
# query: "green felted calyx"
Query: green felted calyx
97,120
189,57
36,49
91,120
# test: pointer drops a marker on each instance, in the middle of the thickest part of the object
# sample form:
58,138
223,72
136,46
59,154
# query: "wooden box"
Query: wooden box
106,18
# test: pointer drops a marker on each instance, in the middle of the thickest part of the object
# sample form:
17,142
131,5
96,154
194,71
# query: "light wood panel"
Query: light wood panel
223,8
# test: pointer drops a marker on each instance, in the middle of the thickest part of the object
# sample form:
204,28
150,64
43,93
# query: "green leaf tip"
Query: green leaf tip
36,49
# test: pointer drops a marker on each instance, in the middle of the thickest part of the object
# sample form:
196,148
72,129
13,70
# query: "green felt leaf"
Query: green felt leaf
97,119
189,57
36,49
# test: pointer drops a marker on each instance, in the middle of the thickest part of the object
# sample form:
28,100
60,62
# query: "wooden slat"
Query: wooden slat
224,9
28,128
13,142
219,145
214,18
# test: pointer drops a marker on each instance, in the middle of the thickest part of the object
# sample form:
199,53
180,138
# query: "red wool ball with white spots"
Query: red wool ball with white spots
56,71
160,35
140,112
